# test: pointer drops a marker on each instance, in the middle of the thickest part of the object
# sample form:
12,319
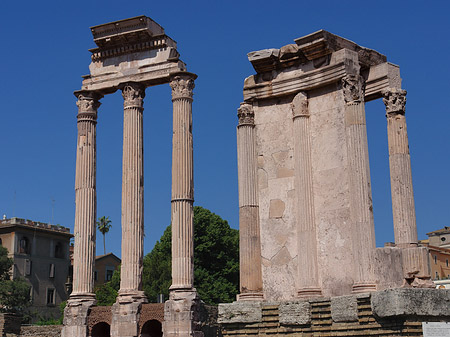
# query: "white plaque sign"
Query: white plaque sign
436,329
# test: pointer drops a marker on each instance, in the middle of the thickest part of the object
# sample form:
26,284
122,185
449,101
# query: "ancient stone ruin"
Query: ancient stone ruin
309,263
131,55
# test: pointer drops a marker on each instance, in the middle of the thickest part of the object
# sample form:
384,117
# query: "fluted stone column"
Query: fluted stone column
249,231
416,268
181,310
306,228
132,192
126,310
361,208
82,296
403,210
182,184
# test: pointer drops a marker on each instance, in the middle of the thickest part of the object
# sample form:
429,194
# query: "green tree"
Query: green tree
14,294
103,225
106,293
216,260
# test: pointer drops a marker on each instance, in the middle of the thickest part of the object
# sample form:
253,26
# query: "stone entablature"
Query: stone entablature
131,50
316,60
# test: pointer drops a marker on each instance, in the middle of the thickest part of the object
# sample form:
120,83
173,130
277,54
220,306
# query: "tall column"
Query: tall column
361,208
181,310
126,310
132,192
249,231
182,184
403,210
416,268
306,230
82,296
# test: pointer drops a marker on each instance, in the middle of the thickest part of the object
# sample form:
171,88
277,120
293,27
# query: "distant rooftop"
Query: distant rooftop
33,224
444,230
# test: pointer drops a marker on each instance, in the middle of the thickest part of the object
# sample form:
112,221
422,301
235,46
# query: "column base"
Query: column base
182,313
416,268
309,292
76,315
253,296
125,313
364,287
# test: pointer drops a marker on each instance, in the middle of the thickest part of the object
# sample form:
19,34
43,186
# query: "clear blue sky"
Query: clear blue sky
45,52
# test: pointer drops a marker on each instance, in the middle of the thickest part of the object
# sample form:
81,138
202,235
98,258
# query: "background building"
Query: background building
104,268
438,244
40,252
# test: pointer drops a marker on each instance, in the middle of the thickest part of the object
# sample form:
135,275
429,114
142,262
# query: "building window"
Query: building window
27,267
435,259
50,296
31,294
59,251
437,276
51,273
24,245
446,262
109,274
95,276
1,242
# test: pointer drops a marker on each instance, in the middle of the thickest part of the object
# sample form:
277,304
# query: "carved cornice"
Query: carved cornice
394,100
246,115
353,87
88,103
133,95
299,105
182,86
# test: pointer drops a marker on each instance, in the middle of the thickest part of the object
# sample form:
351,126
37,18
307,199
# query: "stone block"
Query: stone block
344,308
411,301
295,313
240,312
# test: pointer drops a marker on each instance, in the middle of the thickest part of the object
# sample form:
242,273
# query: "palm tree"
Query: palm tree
103,225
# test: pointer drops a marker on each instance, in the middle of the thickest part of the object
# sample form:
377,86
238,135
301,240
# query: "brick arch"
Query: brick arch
151,328
149,312
98,315
101,329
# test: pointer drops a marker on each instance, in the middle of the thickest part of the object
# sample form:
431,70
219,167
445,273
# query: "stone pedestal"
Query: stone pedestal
308,277
251,287
361,209
82,296
182,314
76,317
125,317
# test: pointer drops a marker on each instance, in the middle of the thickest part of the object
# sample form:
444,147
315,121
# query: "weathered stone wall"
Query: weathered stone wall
41,331
394,312
331,190
273,120
277,195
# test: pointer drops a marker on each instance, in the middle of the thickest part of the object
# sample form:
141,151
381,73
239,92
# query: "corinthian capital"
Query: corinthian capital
300,105
133,95
246,115
394,100
353,87
88,103
182,86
